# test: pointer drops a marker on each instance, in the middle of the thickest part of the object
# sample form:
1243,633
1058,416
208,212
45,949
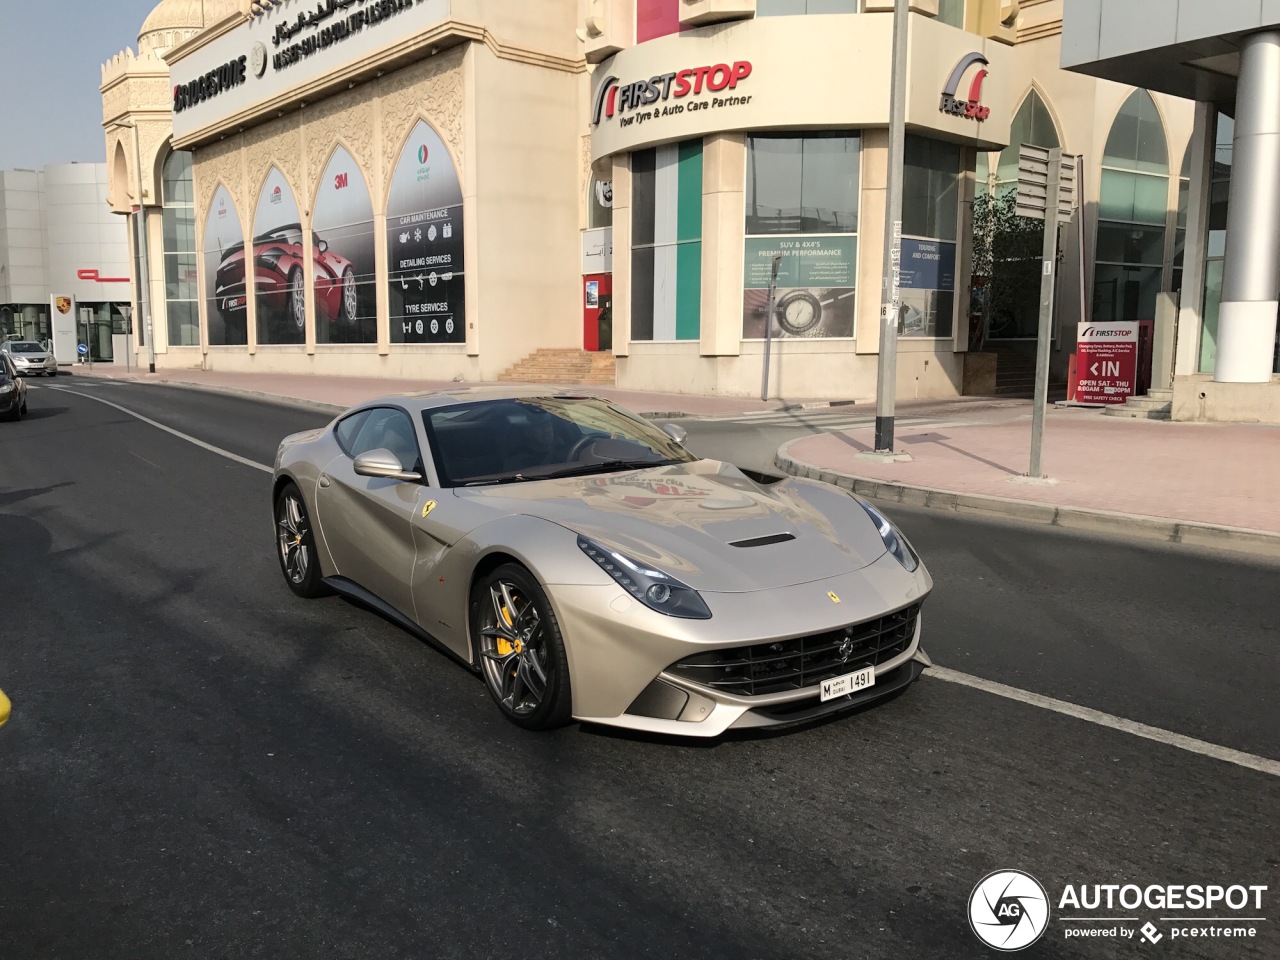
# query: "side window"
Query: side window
347,430
388,429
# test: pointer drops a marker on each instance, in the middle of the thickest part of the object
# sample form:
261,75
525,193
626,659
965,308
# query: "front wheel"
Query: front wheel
522,654
297,300
296,545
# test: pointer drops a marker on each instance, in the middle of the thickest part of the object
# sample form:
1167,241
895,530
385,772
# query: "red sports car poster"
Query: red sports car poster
279,275
224,272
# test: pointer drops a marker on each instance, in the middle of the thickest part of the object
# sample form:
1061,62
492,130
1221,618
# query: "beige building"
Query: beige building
434,188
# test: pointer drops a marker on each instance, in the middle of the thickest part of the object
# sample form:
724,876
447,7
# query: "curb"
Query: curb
815,405
1189,532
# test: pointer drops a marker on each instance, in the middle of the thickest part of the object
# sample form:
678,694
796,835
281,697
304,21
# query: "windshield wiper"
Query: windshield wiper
513,478
605,466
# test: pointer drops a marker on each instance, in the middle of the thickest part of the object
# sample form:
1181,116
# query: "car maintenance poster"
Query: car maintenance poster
279,272
1106,362
424,244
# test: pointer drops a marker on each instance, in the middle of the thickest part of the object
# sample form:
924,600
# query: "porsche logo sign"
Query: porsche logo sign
63,304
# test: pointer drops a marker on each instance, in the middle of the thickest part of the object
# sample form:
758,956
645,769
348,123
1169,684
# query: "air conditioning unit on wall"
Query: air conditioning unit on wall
699,13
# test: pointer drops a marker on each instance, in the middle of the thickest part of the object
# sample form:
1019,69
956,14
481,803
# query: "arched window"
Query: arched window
1008,248
1132,214
279,274
181,287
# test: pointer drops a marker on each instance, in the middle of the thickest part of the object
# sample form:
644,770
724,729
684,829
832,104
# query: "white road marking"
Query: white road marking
1132,727
177,433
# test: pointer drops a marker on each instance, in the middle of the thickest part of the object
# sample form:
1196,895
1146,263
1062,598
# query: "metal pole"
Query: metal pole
768,325
1049,267
887,364
144,300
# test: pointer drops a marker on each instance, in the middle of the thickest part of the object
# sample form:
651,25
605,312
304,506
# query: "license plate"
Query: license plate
849,683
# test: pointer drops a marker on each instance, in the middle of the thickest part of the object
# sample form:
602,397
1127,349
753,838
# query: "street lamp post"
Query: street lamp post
140,246
887,363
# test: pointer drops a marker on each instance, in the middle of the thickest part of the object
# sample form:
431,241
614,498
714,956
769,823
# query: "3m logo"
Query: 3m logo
341,182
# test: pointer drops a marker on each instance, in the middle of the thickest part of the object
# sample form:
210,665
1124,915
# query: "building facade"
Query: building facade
1226,58
439,188
62,253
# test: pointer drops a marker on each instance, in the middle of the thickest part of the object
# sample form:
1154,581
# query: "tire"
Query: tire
296,301
296,544
521,650
347,299
22,410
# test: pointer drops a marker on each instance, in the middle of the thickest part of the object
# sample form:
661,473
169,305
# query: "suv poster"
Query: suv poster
224,273
279,278
424,244
343,268
815,290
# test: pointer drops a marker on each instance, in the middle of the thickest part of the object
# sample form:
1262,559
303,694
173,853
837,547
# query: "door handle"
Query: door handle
324,479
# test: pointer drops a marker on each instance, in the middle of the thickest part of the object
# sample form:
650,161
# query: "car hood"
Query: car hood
40,357
706,523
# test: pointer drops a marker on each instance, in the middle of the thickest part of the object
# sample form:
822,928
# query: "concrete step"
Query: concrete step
564,366
1124,410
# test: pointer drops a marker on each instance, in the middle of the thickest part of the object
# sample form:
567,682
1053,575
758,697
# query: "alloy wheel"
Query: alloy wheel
291,535
514,651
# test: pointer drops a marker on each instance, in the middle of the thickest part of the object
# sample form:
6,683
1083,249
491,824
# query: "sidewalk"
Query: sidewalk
1214,484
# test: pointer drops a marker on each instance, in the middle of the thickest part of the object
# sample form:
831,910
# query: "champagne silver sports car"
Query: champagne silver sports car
589,567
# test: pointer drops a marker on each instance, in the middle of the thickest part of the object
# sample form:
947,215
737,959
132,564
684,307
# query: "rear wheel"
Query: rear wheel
296,545
297,300
522,655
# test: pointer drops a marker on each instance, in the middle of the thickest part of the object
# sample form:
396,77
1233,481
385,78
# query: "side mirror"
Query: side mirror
676,433
323,246
384,464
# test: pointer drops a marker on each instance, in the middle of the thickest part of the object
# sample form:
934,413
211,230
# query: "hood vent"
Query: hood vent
763,541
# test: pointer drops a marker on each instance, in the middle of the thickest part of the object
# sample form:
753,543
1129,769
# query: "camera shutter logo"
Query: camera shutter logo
1008,910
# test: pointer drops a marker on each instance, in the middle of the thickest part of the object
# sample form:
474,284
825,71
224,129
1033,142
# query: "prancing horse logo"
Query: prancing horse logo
846,648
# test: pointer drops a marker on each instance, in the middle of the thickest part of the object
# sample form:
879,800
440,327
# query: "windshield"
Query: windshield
509,441
26,347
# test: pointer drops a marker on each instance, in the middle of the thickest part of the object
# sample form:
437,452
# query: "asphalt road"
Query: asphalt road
201,765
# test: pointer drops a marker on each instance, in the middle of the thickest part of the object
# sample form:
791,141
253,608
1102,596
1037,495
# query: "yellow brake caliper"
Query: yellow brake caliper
505,646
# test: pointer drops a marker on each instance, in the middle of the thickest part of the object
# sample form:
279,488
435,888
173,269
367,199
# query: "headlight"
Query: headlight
7,388
655,589
894,542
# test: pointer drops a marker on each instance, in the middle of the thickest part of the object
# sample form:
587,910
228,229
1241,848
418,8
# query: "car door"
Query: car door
367,522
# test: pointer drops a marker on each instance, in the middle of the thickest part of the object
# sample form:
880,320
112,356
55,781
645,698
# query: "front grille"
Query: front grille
800,662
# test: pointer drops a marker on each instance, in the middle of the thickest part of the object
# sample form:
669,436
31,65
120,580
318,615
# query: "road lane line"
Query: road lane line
177,433
1132,727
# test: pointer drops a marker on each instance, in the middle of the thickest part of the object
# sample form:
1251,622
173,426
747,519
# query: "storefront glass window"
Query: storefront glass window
342,254
600,204
1132,214
1011,245
656,18
952,12
802,204
666,242
930,214
1180,222
787,8
179,228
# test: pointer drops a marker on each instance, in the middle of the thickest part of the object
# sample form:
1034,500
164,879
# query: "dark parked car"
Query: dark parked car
279,279
13,391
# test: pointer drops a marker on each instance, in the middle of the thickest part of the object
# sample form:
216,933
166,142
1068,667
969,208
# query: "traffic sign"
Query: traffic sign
82,349
1033,184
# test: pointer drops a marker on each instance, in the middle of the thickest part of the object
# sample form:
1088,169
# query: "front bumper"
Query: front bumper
619,650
